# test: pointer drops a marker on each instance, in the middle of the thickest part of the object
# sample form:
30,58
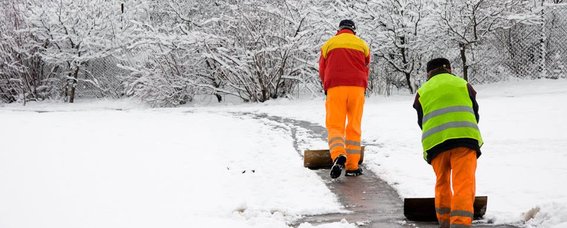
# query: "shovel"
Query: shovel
423,209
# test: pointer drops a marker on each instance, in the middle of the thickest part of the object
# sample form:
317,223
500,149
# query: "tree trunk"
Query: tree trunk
214,80
408,80
73,85
405,62
463,48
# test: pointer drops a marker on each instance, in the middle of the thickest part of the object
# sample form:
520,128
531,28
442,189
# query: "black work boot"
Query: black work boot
338,166
353,173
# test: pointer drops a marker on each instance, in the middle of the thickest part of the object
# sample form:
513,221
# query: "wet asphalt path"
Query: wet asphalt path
372,202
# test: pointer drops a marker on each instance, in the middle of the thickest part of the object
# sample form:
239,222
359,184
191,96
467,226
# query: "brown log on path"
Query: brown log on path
321,159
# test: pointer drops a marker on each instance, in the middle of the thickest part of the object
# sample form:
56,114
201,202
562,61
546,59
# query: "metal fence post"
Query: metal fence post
543,49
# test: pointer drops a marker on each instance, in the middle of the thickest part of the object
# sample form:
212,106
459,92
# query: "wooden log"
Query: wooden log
321,159
423,209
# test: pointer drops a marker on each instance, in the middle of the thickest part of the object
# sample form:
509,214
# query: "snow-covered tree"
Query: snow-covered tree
25,75
401,36
252,50
74,33
169,52
467,24
261,51
12,68
158,53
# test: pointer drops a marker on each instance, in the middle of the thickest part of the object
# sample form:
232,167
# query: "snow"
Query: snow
151,168
122,164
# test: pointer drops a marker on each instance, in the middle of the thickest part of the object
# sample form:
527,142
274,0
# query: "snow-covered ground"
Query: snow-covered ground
118,164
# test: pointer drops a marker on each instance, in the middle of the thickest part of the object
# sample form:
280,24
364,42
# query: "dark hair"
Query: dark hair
437,63
348,24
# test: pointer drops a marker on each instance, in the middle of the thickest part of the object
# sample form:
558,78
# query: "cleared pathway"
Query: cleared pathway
372,202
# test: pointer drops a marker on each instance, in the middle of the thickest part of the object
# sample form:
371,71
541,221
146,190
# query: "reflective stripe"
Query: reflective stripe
353,143
336,145
462,213
446,126
443,210
351,151
460,226
447,110
335,139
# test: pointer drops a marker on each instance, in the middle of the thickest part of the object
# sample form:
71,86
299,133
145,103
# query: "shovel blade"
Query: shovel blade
423,209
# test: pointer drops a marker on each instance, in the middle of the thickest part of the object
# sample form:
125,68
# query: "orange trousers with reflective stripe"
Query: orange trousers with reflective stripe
455,208
345,103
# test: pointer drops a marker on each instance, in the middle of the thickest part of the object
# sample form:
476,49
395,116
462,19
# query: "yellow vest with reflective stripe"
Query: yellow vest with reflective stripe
447,111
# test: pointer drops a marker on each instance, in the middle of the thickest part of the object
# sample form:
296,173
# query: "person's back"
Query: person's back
344,60
448,115
448,112
343,70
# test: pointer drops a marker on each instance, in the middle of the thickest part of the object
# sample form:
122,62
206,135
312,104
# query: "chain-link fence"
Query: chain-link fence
100,78
556,45
536,50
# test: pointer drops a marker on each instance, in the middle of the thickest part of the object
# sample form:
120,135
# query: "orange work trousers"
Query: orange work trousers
455,209
342,103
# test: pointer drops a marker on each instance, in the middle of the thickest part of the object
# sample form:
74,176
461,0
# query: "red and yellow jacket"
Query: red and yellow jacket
344,61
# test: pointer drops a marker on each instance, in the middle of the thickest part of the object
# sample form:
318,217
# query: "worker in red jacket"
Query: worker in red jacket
343,70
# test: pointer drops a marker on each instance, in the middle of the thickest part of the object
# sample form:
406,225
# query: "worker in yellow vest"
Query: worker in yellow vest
448,115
